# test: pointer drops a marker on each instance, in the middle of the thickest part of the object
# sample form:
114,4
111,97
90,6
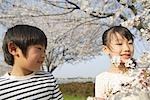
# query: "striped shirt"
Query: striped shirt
36,86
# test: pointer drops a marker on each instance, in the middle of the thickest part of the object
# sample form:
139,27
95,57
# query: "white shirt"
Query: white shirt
107,82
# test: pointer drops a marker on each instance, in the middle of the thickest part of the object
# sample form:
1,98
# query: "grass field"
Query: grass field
77,91
69,97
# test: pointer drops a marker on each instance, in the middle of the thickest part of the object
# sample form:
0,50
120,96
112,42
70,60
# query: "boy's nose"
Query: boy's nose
43,55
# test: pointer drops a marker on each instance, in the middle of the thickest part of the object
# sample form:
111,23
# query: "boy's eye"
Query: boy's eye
39,48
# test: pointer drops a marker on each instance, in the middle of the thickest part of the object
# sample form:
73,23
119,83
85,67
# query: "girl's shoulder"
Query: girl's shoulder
109,75
106,74
112,78
103,76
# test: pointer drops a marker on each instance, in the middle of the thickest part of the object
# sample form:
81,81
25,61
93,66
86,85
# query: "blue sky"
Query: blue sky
89,68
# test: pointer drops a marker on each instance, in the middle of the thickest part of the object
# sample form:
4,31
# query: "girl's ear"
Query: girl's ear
12,48
105,49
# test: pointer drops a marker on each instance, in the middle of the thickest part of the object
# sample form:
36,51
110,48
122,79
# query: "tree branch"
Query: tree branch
77,7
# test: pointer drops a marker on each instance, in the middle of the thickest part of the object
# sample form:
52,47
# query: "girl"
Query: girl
118,44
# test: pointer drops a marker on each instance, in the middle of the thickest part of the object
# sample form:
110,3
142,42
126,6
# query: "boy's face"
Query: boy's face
34,58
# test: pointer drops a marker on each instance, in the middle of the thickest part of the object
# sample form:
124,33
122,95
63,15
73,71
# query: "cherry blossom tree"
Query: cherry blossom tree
74,27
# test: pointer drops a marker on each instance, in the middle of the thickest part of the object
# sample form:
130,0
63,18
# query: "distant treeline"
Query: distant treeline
83,89
74,80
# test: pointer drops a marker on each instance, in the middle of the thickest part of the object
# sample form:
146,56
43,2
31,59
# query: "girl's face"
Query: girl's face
120,46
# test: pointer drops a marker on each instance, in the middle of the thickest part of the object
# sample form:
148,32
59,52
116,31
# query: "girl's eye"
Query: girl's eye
130,42
119,44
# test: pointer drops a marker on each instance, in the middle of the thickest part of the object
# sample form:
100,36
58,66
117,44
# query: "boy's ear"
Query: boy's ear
105,49
12,48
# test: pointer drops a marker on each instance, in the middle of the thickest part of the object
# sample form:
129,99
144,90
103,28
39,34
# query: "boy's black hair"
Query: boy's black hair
122,31
22,36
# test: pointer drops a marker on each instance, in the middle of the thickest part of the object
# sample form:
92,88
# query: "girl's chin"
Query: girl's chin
124,60
126,57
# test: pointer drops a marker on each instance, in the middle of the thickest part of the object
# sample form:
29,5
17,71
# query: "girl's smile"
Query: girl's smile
126,56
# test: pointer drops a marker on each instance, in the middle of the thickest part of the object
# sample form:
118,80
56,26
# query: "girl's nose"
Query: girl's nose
126,47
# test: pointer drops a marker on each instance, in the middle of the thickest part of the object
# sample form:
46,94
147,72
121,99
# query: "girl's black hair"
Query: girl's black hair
22,36
122,31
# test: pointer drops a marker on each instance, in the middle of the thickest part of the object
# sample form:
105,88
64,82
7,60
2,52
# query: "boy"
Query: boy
24,49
